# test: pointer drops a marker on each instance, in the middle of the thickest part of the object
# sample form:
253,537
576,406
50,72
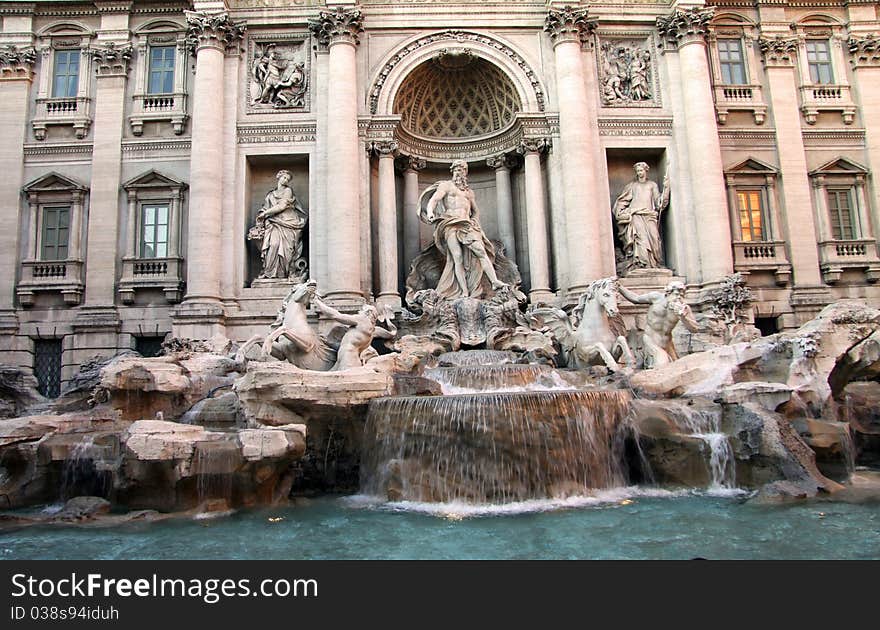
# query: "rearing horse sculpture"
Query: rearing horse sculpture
292,339
595,334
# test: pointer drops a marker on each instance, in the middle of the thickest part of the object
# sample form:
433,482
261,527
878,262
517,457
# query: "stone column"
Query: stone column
865,58
411,222
797,216
386,244
111,61
536,220
16,75
568,28
339,30
210,33
504,202
686,29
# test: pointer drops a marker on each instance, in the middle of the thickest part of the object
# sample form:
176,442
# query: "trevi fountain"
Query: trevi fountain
469,423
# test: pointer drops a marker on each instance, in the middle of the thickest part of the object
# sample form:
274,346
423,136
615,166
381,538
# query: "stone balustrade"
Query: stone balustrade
63,276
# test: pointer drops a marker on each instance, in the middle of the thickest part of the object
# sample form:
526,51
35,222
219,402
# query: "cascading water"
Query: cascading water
215,464
499,378
705,424
85,470
495,447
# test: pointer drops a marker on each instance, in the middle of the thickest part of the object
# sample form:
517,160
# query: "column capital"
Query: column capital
382,148
111,59
534,145
17,63
569,24
685,26
778,51
864,50
411,163
337,26
501,161
212,30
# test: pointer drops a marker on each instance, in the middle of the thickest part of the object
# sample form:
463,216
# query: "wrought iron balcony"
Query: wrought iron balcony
769,256
836,256
165,274
63,276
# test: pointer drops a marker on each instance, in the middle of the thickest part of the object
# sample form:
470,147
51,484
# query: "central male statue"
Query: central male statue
470,256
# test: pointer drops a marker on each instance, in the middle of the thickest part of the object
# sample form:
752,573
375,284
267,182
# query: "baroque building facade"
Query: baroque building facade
171,167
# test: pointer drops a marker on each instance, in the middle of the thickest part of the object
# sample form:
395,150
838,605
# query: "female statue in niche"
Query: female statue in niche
637,212
280,224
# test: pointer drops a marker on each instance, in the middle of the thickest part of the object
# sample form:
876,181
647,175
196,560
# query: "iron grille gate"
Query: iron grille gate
47,366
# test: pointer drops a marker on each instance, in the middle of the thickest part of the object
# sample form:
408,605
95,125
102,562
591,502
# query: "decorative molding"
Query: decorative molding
865,50
778,51
111,60
382,148
569,25
635,127
213,30
460,37
155,149
68,151
747,137
834,137
337,26
684,26
502,160
17,63
279,72
274,133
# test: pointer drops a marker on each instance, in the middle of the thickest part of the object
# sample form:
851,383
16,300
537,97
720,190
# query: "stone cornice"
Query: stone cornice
338,26
111,60
569,25
212,30
635,127
113,6
685,26
864,50
16,63
778,51
18,8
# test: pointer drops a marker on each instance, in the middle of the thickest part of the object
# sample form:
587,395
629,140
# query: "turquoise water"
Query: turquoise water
620,524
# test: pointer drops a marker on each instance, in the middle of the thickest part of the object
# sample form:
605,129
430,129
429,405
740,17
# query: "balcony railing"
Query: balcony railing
740,98
63,276
73,111
769,256
836,256
158,108
817,98
165,274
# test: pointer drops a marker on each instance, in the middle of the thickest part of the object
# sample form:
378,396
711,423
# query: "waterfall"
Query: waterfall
79,472
214,466
495,447
705,425
498,378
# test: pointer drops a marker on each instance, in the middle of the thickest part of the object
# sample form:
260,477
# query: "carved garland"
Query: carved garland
778,50
458,36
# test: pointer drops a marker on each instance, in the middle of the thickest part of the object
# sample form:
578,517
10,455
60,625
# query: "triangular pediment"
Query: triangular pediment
751,166
53,182
840,166
153,179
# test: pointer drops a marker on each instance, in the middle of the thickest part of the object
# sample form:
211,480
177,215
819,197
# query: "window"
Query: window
55,233
730,56
47,366
844,223
66,78
154,231
819,62
161,79
751,214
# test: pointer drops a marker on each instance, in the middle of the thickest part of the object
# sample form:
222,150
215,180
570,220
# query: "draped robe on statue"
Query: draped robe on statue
637,211
282,241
